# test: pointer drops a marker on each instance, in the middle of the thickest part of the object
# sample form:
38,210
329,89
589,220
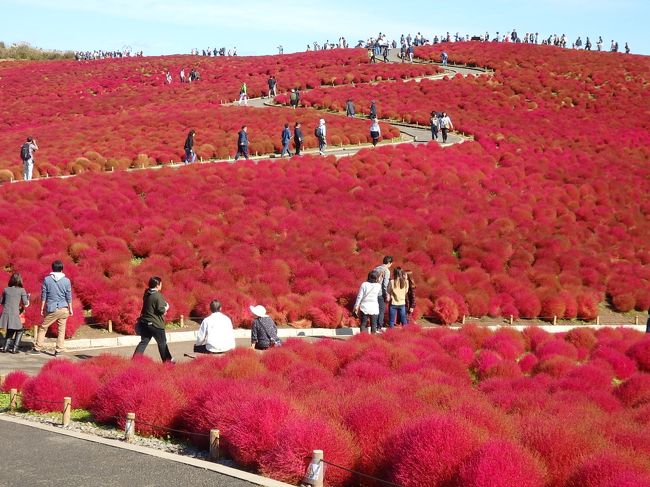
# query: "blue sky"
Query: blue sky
259,26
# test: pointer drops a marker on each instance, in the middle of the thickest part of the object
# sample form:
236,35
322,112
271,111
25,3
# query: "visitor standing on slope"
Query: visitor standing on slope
321,135
243,94
264,332
27,155
298,137
445,126
151,323
242,143
383,278
375,131
14,300
286,140
366,306
190,155
397,290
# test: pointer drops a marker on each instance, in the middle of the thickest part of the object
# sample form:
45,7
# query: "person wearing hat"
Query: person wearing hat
264,332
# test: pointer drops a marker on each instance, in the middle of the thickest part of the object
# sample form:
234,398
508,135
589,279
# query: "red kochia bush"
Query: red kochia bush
635,391
286,460
610,469
501,463
14,380
430,451
60,378
640,352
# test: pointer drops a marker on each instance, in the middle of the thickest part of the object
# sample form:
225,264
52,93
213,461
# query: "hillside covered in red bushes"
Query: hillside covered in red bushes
543,215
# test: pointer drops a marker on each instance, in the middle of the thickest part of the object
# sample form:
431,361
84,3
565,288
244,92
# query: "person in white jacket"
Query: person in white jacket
367,306
215,334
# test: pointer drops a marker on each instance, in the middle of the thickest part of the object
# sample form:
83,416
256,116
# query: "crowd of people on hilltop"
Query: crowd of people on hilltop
99,54
214,52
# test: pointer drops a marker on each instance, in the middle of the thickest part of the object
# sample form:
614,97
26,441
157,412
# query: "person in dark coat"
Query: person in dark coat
298,137
349,108
242,143
151,323
190,155
264,332
14,300
373,111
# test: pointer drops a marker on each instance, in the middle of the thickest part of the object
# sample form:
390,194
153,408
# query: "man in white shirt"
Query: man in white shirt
216,334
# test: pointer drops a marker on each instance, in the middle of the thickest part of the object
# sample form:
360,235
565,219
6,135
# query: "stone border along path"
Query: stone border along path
410,133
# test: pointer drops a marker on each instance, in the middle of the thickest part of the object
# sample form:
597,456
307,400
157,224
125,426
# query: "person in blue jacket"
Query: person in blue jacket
242,143
286,139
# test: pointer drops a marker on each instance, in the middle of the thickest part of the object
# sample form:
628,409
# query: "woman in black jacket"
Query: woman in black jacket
264,332
151,323
190,155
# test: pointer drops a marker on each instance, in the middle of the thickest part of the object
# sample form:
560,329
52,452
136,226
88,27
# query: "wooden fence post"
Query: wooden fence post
215,452
511,319
67,407
555,320
598,319
129,427
110,326
182,321
13,399
315,475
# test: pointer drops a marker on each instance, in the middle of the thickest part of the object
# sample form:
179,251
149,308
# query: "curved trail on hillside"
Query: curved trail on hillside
410,133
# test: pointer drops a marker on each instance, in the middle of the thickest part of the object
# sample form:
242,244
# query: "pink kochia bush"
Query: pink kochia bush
404,407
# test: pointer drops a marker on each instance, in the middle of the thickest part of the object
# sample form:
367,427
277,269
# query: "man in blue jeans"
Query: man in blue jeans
383,272
286,139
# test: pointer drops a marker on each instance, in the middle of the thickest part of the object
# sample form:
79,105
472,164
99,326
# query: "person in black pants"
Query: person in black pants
242,143
298,138
151,323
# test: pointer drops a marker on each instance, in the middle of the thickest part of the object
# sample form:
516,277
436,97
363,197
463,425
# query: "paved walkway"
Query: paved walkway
38,457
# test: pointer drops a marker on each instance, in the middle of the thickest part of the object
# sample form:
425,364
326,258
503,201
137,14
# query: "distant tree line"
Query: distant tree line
24,51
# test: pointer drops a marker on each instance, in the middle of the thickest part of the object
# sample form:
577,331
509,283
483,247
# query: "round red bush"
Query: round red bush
501,463
15,380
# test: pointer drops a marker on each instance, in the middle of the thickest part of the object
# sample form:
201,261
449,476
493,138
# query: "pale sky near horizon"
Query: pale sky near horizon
259,26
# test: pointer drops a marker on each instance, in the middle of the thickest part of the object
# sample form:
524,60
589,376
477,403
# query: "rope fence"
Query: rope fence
315,474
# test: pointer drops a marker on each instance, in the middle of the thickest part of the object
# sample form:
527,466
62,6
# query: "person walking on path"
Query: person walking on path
151,323
445,126
243,94
434,121
27,155
182,76
215,334
375,131
242,143
366,307
397,291
264,332
298,138
272,86
14,300
383,278
321,135
56,305
190,155
349,108
293,98
445,58
373,110
410,295
286,140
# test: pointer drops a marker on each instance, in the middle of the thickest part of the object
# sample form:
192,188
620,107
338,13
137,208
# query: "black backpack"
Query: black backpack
24,151
318,132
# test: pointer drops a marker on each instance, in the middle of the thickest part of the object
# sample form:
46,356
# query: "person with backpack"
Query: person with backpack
434,121
366,306
445,58
190,155
445,126
397,290
293,98
375,131
321,134
383,278
242,143
27,155
286,139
